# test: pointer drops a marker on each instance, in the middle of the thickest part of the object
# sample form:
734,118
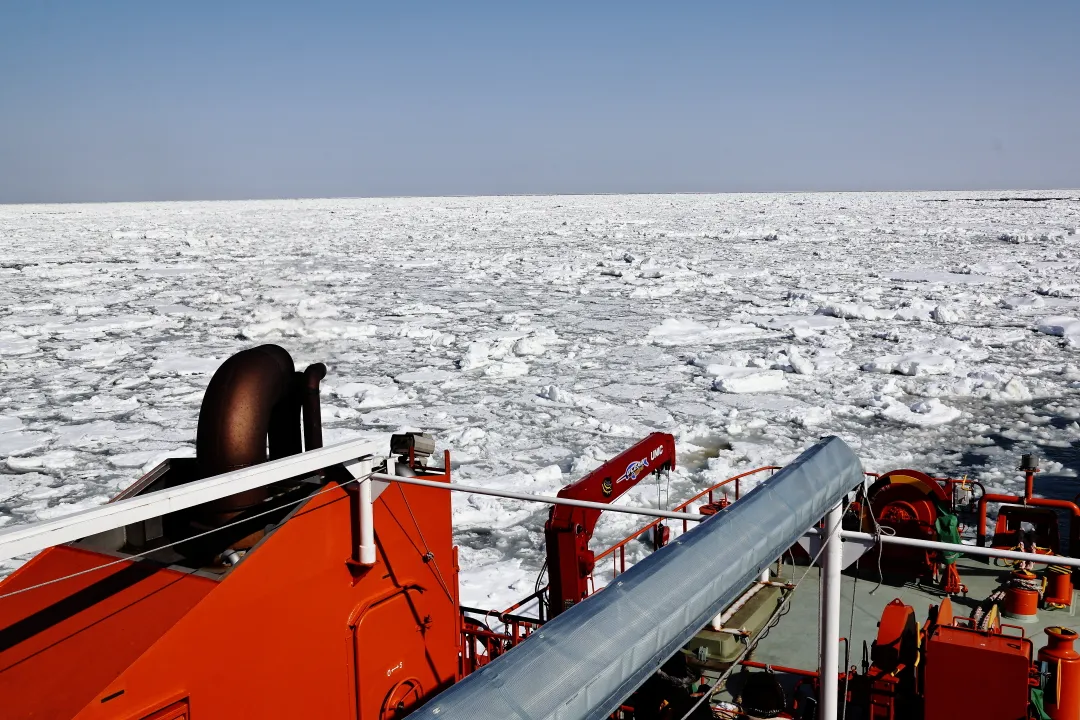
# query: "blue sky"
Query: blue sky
201,100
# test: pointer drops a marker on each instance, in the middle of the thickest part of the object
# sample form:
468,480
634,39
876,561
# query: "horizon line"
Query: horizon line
4,203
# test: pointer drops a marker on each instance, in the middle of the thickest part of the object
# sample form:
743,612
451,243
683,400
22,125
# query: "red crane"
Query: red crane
569,529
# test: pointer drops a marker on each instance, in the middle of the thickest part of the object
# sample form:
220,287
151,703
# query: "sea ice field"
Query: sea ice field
538,336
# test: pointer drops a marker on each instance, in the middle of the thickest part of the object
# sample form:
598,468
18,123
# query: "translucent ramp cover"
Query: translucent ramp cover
586,661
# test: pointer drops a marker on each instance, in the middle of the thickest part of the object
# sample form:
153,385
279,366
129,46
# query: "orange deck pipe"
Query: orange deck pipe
1072,507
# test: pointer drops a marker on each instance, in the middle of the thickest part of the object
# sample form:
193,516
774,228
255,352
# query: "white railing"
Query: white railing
546,499
31,538
24,539
869,539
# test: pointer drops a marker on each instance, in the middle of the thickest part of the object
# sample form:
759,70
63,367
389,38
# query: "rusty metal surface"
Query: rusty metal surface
309,389
252,397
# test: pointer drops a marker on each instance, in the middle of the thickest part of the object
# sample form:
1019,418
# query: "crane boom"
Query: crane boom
569,529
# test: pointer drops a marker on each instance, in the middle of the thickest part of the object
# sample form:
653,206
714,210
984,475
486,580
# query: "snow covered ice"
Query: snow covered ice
539,336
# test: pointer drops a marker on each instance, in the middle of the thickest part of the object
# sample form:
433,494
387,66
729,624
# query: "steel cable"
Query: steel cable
136,556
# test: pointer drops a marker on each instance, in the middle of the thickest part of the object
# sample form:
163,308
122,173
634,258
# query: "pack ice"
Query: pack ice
538,336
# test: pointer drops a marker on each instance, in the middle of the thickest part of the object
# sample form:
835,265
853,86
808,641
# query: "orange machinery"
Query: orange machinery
1059,665
254,606
913,670
1041,513
913,504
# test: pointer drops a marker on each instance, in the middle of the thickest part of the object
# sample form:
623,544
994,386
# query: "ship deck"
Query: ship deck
793,642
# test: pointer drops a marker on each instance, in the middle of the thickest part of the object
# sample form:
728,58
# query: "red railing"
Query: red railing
481,644
617,552
539,596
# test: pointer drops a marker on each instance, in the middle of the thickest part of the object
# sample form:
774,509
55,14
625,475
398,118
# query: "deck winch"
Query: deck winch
913,504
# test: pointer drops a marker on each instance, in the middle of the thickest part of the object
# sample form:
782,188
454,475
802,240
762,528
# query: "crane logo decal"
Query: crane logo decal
633,470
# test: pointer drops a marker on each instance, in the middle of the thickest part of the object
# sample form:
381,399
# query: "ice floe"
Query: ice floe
916,363
746,380
675,332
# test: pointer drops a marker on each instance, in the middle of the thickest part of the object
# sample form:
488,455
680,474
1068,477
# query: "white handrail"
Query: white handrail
24,539
30,538
847,535
870,539
547,499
